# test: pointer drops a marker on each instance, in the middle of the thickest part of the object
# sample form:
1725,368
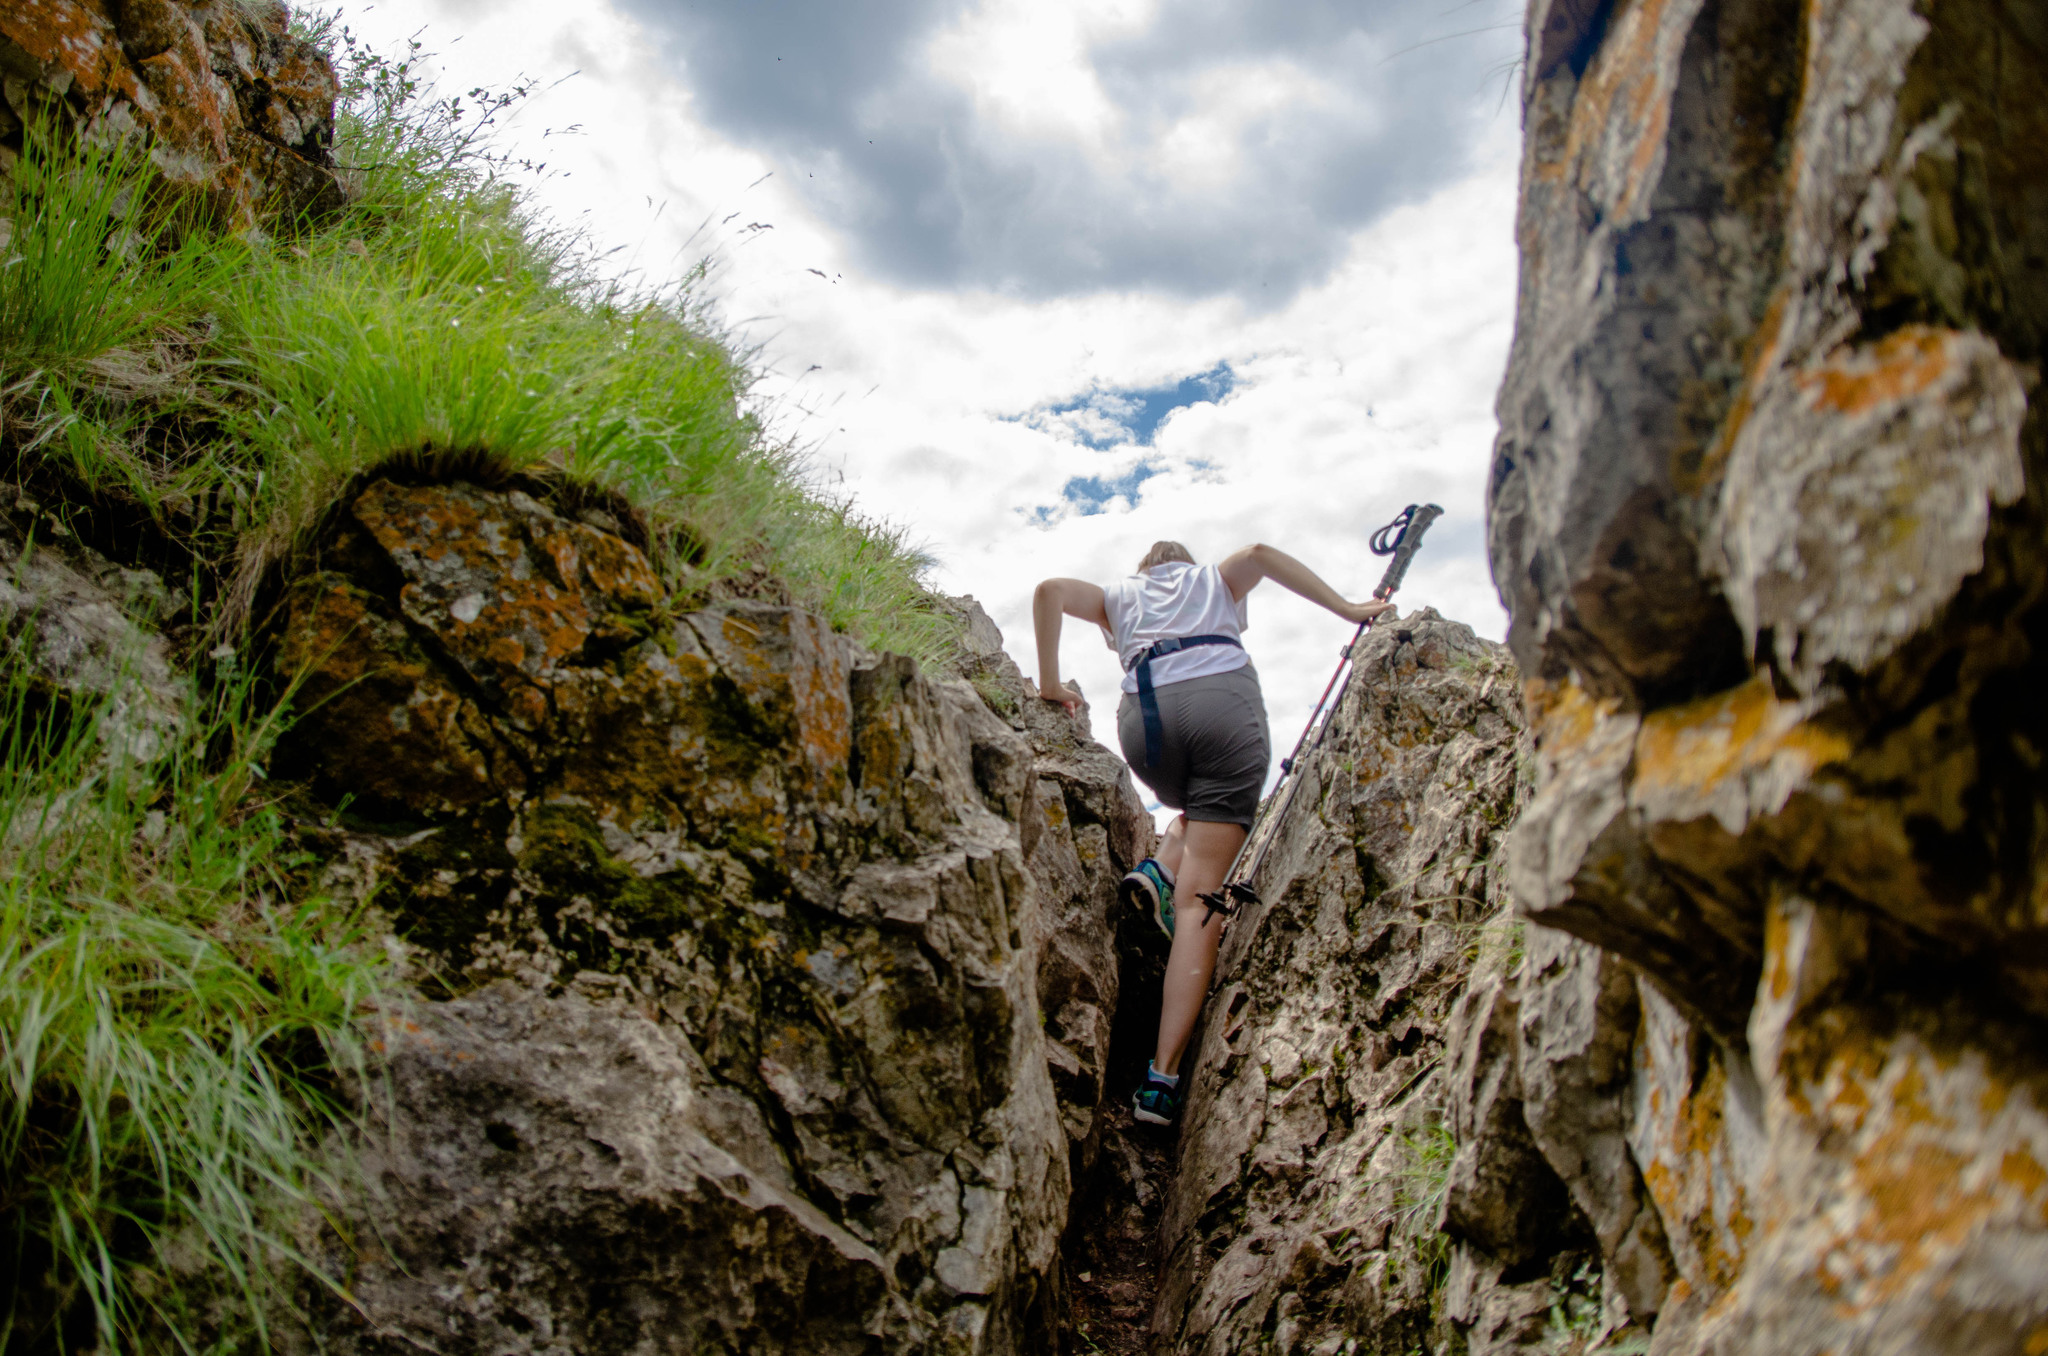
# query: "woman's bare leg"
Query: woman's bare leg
1173,845
1209,849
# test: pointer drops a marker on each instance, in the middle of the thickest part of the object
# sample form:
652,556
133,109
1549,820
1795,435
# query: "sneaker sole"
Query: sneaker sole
1139,891
1139,1113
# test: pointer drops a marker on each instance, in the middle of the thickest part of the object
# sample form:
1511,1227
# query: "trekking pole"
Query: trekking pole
1401,539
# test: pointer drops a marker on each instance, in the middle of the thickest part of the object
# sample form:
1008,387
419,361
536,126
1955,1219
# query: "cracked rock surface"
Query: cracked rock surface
238,109
730,950
1347,1057
1767,508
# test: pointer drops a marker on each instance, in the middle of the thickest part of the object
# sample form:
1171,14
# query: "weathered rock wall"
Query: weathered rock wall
1090,827
1345,1048
729,952
1767,509
239,109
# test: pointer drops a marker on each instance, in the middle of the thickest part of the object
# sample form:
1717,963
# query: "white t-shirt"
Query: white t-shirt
1167,601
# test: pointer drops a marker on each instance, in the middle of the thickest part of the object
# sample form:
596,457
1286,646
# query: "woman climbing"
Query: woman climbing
1192,725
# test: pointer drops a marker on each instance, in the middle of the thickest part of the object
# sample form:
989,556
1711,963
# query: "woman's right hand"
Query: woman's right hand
1366,611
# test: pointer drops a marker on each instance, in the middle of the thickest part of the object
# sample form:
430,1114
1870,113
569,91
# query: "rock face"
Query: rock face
1100,970
240,111
1767,509
1090,826
82,632
729,1038
1349,1054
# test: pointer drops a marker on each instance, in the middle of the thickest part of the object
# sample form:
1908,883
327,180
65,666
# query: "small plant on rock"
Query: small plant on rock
1421,1180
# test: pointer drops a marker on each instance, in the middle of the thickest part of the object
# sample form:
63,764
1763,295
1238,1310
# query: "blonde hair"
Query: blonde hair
1162,553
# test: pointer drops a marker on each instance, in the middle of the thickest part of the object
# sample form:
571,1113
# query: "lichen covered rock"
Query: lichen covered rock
1767,510
734,956
239,110
1349,1063
1090,827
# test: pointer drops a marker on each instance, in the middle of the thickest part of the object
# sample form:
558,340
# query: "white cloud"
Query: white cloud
1024,65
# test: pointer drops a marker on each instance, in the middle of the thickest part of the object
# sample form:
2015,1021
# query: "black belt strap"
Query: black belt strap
1148,701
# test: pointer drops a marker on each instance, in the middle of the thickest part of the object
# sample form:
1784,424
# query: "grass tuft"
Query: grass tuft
1423,1178
154,361
91,259
174,1017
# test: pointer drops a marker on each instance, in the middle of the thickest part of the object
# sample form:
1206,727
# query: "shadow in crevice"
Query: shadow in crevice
1110,1254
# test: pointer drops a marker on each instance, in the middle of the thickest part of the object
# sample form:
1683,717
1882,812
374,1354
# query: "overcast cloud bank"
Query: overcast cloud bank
1189,146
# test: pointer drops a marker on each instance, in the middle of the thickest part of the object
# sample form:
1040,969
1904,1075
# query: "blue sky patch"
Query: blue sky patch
1091,494
1113,417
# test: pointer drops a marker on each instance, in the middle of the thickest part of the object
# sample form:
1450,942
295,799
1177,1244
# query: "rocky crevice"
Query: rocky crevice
733,943
1354,1174
766,994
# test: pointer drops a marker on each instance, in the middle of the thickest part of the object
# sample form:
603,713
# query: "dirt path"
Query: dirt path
1113,1268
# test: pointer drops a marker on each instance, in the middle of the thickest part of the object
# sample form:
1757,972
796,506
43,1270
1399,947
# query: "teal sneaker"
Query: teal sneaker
1147,888
1156,1102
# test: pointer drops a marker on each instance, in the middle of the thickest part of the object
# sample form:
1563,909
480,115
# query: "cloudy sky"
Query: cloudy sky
1047,280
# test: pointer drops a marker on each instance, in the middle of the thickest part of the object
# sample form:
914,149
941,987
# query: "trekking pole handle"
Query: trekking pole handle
1401,539
1411,525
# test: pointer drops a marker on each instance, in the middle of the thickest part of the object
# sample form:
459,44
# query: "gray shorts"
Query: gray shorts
1212,760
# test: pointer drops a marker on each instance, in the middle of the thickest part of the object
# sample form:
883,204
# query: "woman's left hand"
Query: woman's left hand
1065,696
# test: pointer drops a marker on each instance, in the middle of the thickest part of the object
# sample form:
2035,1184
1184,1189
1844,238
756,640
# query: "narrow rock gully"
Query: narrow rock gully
1301,1205
1099,981
1111,1249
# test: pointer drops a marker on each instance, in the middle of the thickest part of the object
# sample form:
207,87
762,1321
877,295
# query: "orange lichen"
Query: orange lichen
1684,1179
68,37
1898,367
1919,1180
179,93
1918,1211
1703,743
1777,965
1630,71
1762,349
1562,714
2022,1170
824,713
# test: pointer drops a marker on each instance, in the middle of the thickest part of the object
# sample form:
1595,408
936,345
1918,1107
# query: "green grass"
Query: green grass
174,1013
91,263
1422,1178
434,319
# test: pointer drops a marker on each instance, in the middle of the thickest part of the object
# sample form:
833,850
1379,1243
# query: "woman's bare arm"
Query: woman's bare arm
1055,600
1242,570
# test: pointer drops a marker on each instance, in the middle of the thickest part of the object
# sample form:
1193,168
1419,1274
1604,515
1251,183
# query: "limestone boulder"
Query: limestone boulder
727,1035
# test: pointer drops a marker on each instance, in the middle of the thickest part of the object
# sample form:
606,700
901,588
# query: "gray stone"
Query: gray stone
84,632
1578,1021
1330,1055
729,954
